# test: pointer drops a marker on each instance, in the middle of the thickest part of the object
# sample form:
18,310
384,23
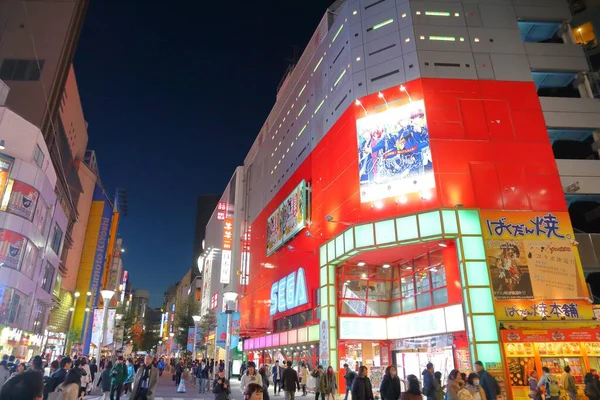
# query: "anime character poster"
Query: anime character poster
12,245
293,212
509,271
274,232
394,156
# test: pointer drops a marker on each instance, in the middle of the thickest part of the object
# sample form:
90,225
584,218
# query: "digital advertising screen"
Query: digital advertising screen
394,156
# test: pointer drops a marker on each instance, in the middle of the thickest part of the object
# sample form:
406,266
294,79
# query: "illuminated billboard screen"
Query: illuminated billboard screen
394,157
288,219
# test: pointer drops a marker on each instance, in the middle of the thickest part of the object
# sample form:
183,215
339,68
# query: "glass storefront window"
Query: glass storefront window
377,291
10,305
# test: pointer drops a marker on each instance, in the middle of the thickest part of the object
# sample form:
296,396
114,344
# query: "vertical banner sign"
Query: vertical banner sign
221,329
221,211
235,329
190,339
226,253
394,157
324,343
6,164
97,326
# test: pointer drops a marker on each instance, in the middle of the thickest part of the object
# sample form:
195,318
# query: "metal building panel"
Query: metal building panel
446,64
356,34
436,13
511,67
411,66
370,8
384,75
358,58
472,14
408,40
382,49
556,63
359,80
498,16
380,25
404,15
483,65
494,40
442,38
557,13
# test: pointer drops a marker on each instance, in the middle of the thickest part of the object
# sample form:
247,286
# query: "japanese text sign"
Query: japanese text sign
516,310
227,233
221,211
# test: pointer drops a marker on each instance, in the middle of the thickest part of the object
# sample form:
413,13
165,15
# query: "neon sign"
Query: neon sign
289,292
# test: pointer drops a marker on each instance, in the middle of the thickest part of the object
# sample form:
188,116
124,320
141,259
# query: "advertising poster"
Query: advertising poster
394,153
274,232
293,212
324,343
12,245
235,329
6,163
532,255
97,326
190,339
23,200
221,329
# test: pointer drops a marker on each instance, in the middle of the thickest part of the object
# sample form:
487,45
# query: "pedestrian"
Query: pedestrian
202,374
70,389
289,382
428,384
474,387
93,370
328,384
145,381
161,366
4,371
318,374
104,381
591,387
12,364
390,385
349,377
276,372
265,381
549,385
413,391
487,381
221,388
37,364
304,379
568,383
534,392
21,367
243,368
254,391
118,374
26,386
86,375
58,376
361,387
453,385
179,368
251,376
130,374
439,388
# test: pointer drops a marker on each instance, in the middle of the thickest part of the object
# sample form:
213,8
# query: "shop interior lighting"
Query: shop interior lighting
87,309
437,13
381,96
358,103
317,66
363,276
337,33
378,205
361,263
381,24
443,38
386,266
319,106
339,78
403,89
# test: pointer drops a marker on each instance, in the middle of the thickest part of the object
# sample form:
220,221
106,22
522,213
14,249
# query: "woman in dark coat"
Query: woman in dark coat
390,385
362,388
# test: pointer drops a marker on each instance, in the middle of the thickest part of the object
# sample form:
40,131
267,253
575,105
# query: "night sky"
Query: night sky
174,96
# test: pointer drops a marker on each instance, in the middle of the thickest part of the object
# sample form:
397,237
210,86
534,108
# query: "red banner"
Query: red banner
551,335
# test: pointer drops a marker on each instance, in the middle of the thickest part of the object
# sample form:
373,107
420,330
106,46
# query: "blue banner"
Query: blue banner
190,340
235,330
221,329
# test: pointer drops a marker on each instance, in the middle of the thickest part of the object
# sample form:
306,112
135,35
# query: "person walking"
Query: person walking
390,385
4,371
487,381
304,373
57,376
202,374
428,385
549,385
318,374
289,382
251,376
127,384
161,366
70,389
221,388
568,383
179,368
86,375
591,387
349,377
145,381
474,387
265,381
328,384
361,387
26,386
118,374
413,391
104,381
93,369
276,373
439,388
532,381
453,385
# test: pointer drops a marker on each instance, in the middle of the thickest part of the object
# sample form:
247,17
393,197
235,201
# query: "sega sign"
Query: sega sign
289,292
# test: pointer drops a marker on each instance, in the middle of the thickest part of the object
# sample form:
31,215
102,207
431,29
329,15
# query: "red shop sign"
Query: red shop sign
551,335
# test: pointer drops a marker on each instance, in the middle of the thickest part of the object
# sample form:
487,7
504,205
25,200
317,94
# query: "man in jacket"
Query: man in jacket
487,382
318,375
362,388
202,374
428,385
289,382
57,376
276,371
145,381
117,377
349,376
221,388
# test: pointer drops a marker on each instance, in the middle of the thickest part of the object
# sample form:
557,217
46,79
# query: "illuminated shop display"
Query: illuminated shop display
288,219
6,164
394,156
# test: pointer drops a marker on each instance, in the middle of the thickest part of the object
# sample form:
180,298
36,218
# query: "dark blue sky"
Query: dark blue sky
174,96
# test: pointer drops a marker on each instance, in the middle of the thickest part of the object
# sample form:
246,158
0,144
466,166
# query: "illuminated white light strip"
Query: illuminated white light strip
317,66
337,33
301,90
384,23
302,130
339,78
443,38
301,111
319,106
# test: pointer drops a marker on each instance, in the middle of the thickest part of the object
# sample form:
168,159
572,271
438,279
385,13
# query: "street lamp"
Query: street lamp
107,295
196,319
230,299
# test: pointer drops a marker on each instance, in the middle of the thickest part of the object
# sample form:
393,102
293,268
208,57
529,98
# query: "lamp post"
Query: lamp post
171,335
230,307
72,311
107,295
196,319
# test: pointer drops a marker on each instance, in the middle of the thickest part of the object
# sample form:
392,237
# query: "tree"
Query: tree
207,324
137,335
184,320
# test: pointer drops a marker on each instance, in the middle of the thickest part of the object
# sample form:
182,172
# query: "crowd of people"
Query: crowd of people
71,379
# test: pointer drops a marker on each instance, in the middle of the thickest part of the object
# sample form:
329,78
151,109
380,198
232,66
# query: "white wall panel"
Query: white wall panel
384,75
